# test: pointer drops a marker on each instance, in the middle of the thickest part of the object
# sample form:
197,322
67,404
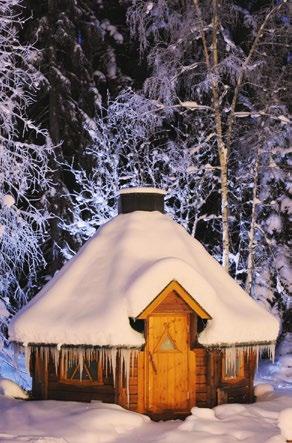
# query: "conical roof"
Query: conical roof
120,270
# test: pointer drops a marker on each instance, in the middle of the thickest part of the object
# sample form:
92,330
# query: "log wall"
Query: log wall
241,391
201,377
211,388
47,384
234,390
123,400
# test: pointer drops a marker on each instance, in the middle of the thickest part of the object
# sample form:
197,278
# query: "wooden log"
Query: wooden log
79,396
201,396
40,376
193,330
201,370
102,390
211,387
252,369
141,382
192,379
201,379
201,388
222,397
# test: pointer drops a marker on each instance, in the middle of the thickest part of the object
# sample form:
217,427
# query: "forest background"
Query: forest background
186,95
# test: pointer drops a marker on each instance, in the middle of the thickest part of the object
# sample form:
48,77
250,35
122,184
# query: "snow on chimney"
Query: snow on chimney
141,199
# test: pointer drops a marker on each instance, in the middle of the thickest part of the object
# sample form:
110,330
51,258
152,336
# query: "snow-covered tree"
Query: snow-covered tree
82,46
202,64
225,64
133,145
216,95
262,195
24,154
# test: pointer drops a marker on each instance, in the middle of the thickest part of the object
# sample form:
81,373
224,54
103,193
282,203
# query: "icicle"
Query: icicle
232,353
80,358
125,369
113,362
271,351
230,361
100,357
62,360
134,356
55,357
65,360
71,357
44,355
27,352
106,362
41,353
88,354
98,362
256,349
103,358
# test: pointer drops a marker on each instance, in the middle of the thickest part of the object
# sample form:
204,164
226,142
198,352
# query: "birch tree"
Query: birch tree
196,62
262,195
202,128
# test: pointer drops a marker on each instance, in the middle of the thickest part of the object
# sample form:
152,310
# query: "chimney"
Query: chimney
141,199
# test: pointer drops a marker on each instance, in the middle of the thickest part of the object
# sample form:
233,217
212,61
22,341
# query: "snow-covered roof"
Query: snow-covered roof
120,270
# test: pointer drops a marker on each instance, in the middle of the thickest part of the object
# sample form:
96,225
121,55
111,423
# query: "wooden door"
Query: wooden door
167,363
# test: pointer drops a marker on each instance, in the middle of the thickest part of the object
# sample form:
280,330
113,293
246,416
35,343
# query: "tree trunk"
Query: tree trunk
251,235
224,207
222,150
53,255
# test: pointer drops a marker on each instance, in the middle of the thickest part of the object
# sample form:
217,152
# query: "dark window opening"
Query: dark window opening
201,324
137,325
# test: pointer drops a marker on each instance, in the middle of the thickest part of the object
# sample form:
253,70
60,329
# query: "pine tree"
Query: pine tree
81,49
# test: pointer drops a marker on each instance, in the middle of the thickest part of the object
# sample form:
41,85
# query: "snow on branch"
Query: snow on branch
24,154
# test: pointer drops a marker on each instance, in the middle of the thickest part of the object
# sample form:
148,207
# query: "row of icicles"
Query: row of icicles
125,358
233,354
111,360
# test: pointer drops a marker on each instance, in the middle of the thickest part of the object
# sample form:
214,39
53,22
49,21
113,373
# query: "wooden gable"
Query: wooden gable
174,298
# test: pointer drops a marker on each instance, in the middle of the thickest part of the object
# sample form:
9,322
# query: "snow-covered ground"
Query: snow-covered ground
55,421
72,422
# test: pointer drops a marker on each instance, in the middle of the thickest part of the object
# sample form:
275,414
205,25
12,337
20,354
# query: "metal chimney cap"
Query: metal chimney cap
146,190
141,199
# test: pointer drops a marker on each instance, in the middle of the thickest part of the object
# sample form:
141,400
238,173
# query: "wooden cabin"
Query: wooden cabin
144,317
